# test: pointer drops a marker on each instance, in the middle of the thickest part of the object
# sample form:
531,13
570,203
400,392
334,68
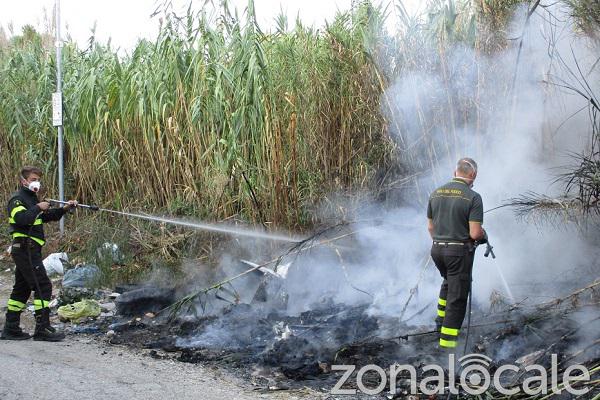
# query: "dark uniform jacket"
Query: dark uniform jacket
452,207
26,219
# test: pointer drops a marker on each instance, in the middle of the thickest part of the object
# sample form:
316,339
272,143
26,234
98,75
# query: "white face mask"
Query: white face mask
34,186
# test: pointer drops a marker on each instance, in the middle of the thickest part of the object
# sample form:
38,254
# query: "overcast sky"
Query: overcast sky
127,20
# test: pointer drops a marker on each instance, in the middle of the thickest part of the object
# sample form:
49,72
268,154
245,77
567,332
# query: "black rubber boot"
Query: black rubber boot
43,330
438,323
12,330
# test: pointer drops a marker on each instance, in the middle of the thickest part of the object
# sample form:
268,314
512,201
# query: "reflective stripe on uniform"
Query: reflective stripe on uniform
441,311
39,304
11,219
37,240
449,331
448,343
16,210
14,305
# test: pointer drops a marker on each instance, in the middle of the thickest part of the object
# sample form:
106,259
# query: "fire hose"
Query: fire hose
92,208
489,250
210,227
34,270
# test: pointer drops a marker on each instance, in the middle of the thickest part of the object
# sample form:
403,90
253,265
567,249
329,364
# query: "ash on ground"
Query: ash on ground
276,351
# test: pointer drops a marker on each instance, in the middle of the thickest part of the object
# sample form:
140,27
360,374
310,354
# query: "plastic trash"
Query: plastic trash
83,275
70,295
54,263
80,310
144,299
85,329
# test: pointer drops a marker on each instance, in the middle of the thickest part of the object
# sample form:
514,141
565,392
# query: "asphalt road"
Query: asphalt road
85,369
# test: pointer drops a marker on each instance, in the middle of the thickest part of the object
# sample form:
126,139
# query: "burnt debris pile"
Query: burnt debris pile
277,350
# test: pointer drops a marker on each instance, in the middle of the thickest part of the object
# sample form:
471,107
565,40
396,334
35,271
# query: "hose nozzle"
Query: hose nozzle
489,250
89,207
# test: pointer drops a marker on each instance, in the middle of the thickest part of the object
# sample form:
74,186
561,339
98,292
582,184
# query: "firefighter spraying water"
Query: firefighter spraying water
455,214
26,219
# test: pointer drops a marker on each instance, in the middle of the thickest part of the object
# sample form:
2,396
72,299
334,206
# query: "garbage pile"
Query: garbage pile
278,350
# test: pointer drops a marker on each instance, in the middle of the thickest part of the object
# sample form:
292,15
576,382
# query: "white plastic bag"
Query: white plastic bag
54,263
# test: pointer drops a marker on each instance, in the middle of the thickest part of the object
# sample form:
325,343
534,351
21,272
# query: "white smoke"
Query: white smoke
519,139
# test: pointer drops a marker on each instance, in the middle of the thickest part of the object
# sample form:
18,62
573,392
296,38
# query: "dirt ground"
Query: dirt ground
85,367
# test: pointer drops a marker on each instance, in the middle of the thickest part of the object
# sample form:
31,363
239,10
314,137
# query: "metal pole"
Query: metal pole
61,188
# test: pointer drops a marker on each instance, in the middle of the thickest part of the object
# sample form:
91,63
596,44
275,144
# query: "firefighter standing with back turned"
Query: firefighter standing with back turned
455,216
26,216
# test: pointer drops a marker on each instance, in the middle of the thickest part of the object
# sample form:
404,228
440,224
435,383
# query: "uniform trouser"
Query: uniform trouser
455,264
29,277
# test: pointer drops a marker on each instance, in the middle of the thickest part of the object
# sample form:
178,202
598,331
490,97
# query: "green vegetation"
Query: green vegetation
586,13
218,120
211,120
